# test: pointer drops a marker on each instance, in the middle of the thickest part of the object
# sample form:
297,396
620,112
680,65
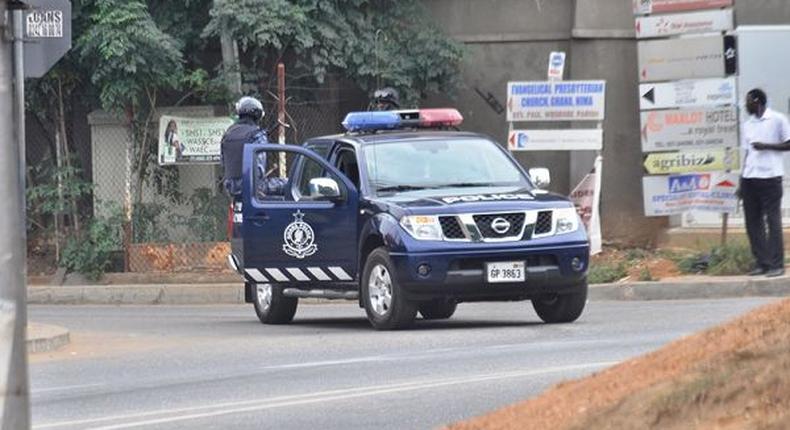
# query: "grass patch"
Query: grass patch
734,258
606,273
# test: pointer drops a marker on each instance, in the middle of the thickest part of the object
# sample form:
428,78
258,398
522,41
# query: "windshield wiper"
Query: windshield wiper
398,188
467,185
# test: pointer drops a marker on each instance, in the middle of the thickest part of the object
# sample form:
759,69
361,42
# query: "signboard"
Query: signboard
556,101
47,34
556,140
693,128
587,198
693,57
556,66
701,92
190,140
684,23
697,160
644,7
671,195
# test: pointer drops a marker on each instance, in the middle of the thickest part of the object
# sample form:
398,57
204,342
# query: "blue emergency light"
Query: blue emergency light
391,120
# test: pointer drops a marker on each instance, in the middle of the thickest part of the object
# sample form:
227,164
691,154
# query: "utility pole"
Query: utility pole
14,395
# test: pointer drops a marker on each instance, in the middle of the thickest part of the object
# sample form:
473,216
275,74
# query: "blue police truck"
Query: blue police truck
404,214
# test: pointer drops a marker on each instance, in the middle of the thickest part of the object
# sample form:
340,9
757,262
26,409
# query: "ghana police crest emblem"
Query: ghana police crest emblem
299,238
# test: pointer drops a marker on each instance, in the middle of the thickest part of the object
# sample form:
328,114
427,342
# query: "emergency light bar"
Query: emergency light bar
391,120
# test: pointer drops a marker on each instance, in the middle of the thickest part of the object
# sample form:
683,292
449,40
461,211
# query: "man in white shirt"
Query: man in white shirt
766,134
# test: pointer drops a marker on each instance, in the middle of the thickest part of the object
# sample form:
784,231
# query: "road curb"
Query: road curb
689,289
46,338
233,293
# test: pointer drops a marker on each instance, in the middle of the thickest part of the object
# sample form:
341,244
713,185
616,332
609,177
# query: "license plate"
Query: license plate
514,271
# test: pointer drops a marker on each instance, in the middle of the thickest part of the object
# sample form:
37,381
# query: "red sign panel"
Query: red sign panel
643,7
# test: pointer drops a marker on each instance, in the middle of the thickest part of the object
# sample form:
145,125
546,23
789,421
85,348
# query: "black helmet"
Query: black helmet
386,98
249,107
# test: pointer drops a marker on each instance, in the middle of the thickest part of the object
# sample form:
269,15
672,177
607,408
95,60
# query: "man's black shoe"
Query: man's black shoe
757,272
775,273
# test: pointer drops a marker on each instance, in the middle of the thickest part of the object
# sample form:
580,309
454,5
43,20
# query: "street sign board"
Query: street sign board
684,23
687,58
690,161
691,128
556,101
644,7
556,66
687,93
47,34
671,195
556,140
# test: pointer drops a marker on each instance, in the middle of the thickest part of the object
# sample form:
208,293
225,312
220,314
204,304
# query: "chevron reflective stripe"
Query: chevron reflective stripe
340,273
298,274
277,275
256,275
319,274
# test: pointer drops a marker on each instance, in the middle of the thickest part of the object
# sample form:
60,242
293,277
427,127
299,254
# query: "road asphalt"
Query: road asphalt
216,367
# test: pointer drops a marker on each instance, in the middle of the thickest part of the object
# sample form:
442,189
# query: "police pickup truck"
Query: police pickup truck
404,215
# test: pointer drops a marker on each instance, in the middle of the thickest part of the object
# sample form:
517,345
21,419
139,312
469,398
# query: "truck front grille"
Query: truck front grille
544,223
451,228
485,223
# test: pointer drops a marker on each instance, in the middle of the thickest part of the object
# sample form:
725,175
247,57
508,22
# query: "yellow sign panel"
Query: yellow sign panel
702,160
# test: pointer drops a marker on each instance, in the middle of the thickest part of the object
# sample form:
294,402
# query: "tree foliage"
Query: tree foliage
371,42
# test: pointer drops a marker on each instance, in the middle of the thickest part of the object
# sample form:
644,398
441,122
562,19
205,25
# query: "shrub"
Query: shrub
90,253
606,273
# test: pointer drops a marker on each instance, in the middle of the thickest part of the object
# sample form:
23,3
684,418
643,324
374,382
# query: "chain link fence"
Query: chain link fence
81,180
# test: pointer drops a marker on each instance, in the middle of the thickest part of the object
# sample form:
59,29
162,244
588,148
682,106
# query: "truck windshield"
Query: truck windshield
405,166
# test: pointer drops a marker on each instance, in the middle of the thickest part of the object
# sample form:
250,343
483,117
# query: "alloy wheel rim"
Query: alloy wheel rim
264,296
380,290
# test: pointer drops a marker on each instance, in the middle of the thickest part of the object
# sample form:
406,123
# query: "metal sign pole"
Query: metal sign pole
14,400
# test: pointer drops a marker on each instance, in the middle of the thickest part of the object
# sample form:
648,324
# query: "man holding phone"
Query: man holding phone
766,134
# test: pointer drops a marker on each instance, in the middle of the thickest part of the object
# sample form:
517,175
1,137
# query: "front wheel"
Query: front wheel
564,308
382,295
271,306
438,309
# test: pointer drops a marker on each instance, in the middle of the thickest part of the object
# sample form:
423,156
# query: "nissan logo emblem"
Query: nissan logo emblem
500,225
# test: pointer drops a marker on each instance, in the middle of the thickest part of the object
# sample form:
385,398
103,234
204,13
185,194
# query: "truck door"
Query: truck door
299,218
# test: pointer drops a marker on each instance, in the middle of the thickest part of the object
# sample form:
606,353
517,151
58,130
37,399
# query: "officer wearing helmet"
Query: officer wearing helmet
246,131
385,99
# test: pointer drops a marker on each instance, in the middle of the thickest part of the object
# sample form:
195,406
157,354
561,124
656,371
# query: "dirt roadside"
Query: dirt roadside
735,376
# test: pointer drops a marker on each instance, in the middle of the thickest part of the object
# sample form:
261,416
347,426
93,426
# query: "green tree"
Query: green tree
371,42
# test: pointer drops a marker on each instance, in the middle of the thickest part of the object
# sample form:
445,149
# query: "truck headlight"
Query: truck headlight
567,220
422,227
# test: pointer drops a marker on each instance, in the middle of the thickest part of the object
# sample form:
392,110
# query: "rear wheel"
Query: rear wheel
438,309
382,295
565,308
271,306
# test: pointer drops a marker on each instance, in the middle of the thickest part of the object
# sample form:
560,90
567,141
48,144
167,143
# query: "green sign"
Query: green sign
190,140
701,160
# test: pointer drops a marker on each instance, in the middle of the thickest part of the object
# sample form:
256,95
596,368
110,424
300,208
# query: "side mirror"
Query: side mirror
540,176
324,188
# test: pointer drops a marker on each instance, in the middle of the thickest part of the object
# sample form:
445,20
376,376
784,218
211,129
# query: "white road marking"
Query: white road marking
63,388
219,409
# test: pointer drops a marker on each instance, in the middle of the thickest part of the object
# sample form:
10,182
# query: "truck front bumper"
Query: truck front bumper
462,276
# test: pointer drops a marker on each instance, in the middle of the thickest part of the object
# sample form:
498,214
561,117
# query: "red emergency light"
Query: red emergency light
440,118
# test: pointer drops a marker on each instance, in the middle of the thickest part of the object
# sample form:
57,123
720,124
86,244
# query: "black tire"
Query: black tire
280,310
561,308
438,309
400,313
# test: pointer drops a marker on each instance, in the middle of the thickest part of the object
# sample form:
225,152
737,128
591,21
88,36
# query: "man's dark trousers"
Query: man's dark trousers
762,206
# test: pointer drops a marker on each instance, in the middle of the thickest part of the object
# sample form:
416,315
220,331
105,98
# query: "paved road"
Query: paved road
217,367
